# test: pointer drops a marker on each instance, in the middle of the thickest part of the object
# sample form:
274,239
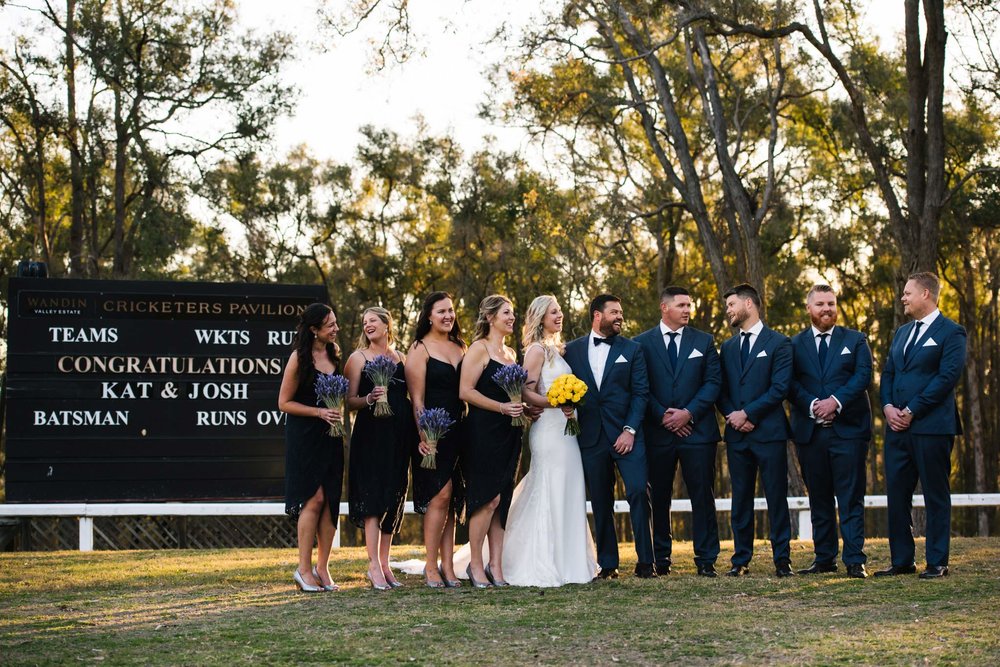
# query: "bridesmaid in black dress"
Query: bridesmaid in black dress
493,444
380,447
432,378
314,461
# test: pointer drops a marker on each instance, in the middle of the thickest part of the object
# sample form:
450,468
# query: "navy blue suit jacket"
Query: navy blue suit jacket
760,388
845,375
694,385
622,398
926,381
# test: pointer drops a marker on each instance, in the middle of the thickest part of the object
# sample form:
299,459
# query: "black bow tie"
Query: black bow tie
606,341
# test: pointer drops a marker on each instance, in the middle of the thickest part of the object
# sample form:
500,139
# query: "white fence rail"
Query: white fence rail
87,512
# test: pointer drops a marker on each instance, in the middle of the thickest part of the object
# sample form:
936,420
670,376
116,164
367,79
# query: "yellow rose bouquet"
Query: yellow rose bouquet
567,390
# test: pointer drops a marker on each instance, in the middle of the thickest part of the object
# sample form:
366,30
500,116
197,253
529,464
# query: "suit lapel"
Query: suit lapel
811,350
687,344
919,343
661,349
758,345
583,361
836,340
611,359
899,343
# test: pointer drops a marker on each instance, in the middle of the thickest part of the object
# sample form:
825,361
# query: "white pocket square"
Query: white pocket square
929,343
621,359
845,351
695,354
763,353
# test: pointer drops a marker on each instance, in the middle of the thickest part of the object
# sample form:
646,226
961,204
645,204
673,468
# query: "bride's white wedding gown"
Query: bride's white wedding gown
547,542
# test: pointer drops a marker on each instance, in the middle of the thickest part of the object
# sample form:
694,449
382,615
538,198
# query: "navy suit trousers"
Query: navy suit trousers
770,458
599,470
927,458
697,461
835,468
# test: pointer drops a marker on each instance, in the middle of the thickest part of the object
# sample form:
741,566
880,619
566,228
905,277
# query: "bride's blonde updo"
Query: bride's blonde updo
488,308
533,330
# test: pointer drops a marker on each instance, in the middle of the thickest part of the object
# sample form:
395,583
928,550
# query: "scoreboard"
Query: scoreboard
138,391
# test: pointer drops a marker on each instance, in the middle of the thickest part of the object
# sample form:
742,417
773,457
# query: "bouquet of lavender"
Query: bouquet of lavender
331,390
380,371
511,379
433,424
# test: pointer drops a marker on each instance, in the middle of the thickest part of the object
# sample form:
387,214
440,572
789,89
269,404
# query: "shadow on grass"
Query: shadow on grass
225,607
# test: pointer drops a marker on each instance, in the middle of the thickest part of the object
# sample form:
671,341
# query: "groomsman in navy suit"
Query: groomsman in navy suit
614,369
923,366
680,427
832,426
756,378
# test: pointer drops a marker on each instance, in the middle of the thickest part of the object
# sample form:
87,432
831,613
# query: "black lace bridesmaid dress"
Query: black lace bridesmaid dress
380,457
492,450
441,391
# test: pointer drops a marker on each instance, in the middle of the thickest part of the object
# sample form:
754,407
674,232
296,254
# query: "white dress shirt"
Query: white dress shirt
926,321
597,355
816,337
754,331
664,330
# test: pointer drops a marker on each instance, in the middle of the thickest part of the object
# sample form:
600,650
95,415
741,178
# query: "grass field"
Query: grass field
239,607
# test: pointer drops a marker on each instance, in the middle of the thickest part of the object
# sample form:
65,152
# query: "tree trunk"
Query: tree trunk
121,150
78,268
973,385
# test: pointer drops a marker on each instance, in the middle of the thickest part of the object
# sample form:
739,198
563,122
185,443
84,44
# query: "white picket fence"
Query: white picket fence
87,512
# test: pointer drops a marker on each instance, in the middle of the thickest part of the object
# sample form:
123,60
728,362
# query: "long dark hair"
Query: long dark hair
312,316
424,319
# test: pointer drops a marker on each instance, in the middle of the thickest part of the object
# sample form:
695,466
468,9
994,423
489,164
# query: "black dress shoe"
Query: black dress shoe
607,574
738,571
663,569
934,572
857,571
707,570
819,568
783,570
644,570
894,570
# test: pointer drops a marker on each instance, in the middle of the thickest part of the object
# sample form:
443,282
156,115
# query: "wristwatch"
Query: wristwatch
628,429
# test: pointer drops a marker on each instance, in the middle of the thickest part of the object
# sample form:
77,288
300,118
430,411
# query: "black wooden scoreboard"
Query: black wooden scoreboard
137,391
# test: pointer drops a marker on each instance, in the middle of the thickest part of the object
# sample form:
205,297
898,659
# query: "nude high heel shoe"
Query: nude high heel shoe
303,586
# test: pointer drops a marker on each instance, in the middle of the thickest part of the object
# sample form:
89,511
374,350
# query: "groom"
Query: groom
617,386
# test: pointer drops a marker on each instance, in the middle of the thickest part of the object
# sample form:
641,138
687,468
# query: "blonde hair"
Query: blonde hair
488,308
386,318
533,330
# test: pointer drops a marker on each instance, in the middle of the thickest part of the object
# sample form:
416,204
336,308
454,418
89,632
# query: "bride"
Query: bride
548,541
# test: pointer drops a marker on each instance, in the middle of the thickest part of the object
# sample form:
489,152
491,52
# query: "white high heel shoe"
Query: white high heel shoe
331,587
303,586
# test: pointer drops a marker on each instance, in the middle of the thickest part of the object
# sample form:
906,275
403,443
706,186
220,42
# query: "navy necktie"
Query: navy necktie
824,347
913,341
745,348
672,349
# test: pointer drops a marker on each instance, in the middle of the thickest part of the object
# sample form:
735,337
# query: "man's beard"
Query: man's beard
608,329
